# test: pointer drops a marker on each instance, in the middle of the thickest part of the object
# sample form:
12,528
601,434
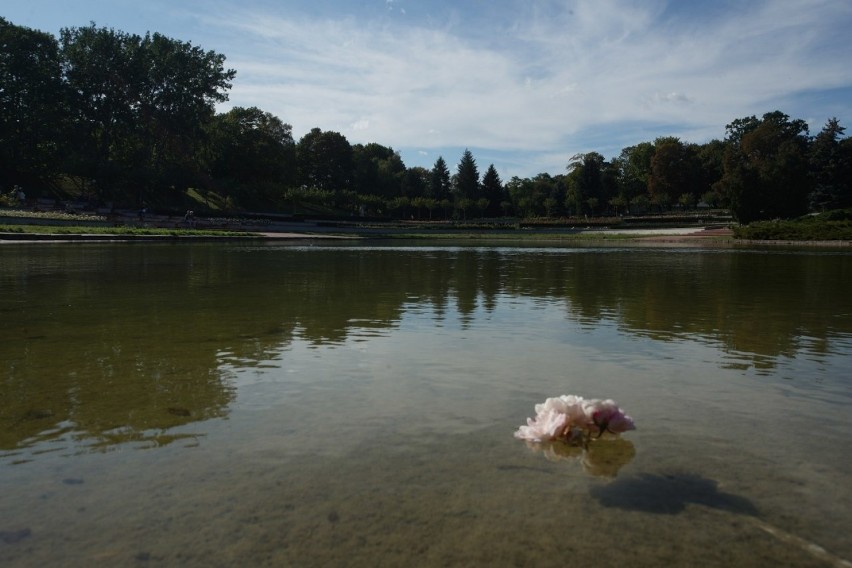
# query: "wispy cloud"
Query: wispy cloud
542,79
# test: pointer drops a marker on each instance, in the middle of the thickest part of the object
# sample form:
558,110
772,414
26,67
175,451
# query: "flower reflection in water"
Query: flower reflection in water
570,427
600,457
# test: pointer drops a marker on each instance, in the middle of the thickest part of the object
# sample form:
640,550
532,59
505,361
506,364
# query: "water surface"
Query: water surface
218,405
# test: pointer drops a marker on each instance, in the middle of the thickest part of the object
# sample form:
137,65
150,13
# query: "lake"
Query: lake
340,404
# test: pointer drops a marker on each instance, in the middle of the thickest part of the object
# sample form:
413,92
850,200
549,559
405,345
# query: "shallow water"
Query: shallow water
279,405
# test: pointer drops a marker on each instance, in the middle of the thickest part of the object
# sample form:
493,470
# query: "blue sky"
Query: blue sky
525,84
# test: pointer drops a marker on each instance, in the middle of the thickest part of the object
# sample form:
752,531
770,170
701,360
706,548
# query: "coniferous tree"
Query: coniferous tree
439,183
467,178
492,189
831,164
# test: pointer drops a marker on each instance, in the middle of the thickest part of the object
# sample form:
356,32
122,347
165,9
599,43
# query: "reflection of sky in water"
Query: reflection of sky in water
452,371
310,408
433,378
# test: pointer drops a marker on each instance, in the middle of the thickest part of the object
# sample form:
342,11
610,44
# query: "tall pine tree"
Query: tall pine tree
492,189
467,178
439,183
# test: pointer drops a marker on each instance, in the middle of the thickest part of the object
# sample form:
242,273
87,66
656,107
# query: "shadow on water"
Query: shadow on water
669,494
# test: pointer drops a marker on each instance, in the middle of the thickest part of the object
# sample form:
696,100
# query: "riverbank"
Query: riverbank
307,230
302,231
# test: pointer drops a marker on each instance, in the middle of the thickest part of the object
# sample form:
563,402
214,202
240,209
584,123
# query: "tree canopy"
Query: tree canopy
32,104
127,120
138,107
766,173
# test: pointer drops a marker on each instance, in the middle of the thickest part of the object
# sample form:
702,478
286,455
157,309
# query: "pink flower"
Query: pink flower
606,416
570,418
549,424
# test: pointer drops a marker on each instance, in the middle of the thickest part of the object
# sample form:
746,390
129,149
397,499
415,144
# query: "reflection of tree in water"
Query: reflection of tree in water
108,342
757,305
105,377
108,348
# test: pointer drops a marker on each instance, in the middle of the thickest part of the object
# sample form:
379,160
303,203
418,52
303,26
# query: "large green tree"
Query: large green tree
766,168
675,170
587,187
140,104
182,85
377,170
324,160
104,72
32,106
634,166
253,155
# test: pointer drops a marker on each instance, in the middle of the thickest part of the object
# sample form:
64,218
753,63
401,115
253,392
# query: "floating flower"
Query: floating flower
564,427
573,419
606,416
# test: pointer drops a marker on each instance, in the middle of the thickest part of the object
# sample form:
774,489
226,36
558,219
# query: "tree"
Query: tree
529,194
32,106
181,85
739,127
140,105
104,71
586,182
377,170
439,183
573,203
711,158
618,204
421,203
831,164
675,169
324,160
766,170
634,167
492,191
415,182
467,177
609,182
519,191
253,153
463,204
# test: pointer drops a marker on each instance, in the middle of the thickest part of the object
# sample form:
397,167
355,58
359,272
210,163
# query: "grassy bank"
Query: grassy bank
119,231
831,226
834,226
505,236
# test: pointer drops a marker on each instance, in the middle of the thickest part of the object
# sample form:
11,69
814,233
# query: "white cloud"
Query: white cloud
362,124
545,82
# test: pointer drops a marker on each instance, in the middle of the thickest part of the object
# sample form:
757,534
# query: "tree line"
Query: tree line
130,121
